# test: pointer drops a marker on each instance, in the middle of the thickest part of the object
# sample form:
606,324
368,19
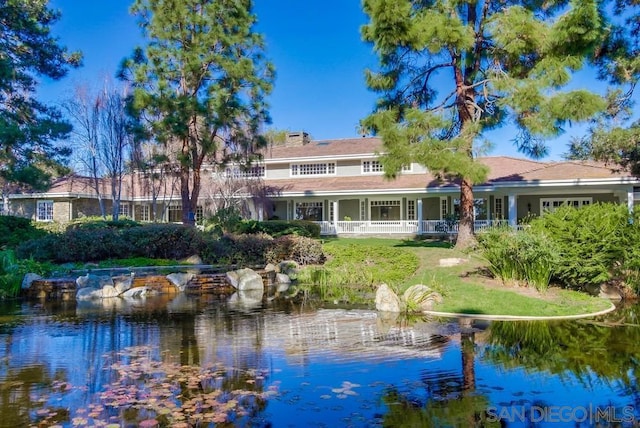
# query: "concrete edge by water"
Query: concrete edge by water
520,317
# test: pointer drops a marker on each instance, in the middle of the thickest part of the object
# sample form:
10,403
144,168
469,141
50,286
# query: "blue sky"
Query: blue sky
315,47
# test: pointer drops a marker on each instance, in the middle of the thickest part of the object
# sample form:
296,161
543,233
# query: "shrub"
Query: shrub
12,272
592,242
278,228
225,220
519,255
164,241
14,230
92,223
303,250
249,249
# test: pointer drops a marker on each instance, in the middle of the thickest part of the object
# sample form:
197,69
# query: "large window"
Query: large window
44,211
498,212
123,210
303,169
385,210
411,209
309,211
372,166
444,208
255,171
174,213
552,204
143,213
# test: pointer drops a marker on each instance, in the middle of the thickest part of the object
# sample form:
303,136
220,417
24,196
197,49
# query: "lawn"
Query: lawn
466,288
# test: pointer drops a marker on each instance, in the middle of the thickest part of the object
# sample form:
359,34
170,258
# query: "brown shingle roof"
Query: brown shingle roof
344,147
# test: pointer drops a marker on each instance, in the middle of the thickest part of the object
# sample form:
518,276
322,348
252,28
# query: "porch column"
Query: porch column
5,205
336,215
419,215
260,213
513,210
630,200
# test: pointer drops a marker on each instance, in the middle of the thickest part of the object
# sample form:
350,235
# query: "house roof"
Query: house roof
504,171
325,148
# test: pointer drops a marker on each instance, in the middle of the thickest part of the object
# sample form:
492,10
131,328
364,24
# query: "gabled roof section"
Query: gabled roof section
325,149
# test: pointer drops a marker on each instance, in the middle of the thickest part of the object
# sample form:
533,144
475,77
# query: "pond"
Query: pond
198,361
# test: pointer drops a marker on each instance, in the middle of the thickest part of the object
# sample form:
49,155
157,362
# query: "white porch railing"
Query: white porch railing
428,227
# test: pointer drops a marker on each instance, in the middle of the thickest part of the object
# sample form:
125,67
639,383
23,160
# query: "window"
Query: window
143,213
411,209
497,204
199,214
363,210
552,204
123,210
313,169
444,209
375,167
174,213
371,167
255,171
44,211
309,211
331,212
385,210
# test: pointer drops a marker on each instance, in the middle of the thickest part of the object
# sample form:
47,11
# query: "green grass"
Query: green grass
464,287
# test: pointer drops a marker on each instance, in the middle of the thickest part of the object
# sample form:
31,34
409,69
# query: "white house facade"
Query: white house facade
340,184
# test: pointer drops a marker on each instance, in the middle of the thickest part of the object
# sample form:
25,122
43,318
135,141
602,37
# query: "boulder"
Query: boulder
109,291
93,281
89,293
28,279
387,300
245,279
135,293
180,280
420,298
123,283
270,267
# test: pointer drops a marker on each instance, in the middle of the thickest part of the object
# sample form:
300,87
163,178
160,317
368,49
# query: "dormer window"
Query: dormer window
372,167
375,167
307,169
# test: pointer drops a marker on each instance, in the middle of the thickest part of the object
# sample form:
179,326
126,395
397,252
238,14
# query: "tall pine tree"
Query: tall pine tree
200,84
29,128
451,70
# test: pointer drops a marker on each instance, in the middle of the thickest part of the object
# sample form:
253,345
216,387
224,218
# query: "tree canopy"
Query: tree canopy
614,136
452,70
199,85
28,128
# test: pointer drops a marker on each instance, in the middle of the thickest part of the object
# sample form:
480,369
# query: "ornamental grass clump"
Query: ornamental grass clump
519,256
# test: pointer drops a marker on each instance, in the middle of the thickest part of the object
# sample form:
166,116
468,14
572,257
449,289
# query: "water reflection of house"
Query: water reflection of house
346,335
340,184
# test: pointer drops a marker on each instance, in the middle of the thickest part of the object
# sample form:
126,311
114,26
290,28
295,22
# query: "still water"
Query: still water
186,361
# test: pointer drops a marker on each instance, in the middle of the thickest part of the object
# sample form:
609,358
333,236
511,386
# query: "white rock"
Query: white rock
28,279
387,300
180,280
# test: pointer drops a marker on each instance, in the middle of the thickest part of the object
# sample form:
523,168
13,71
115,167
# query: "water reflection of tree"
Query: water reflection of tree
451,397
18,403
582,348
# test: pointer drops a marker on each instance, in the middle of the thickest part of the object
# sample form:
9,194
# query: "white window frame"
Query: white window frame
254,171
172,209
123,210
312,169
411,209
444,208
144,211
498,208
555,203
372,167
48,210
308,204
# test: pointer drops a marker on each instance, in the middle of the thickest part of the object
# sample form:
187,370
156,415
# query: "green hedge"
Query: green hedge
278,228
15,230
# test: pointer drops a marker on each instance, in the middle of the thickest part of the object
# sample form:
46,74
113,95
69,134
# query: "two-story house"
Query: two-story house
340,184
